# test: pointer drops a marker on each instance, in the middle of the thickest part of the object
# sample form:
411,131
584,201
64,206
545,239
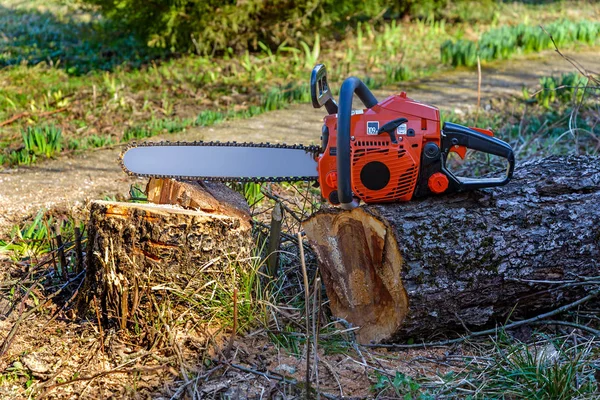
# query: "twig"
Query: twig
490,331
229,347
78,250
104,373
478,90
64,306
27,114
269,375
582,70
593,331
274,238
307,314
317,286
99,324
285,235
61,253
279,200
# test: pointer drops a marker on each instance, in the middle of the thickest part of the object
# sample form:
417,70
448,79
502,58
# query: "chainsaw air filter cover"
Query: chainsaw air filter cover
382,173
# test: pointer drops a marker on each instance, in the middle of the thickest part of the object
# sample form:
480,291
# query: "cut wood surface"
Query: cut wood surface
211,197
141,253
450,263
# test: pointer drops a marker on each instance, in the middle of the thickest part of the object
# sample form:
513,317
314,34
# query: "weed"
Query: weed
250,190
137,194
400,386
568,88
289,340
28,241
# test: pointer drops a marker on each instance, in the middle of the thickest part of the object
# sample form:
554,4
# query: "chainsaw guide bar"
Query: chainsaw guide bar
304,156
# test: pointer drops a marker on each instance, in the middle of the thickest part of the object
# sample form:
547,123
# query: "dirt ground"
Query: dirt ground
71,180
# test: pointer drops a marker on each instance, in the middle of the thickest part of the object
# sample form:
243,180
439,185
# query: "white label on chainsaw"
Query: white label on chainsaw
401,129
357,112
372,128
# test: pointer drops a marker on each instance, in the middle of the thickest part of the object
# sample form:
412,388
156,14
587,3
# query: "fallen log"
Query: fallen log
148,264
466,261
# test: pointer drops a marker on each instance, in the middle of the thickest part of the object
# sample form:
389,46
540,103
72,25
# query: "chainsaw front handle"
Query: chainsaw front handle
349,87
457,135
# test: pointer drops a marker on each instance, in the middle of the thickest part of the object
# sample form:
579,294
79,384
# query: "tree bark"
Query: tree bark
470,260
144,257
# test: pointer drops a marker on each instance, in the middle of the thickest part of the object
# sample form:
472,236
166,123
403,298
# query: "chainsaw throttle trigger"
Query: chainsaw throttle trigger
461,151
391,126
455,137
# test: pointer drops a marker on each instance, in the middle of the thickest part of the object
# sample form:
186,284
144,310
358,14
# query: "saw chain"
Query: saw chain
312,149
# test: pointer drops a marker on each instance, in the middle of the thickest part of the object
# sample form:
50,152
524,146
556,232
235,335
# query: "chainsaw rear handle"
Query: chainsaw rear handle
349,87
458,135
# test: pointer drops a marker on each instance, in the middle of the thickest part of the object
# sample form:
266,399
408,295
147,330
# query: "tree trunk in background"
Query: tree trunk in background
138,255
434,266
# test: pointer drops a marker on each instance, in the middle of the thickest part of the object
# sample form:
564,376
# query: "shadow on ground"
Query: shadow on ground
77,41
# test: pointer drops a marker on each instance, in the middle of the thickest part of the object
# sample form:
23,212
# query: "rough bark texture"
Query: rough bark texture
426,267
144,256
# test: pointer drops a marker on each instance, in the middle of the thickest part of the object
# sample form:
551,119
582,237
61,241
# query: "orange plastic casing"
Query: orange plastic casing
402,159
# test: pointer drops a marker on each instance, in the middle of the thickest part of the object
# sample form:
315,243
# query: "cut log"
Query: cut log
144,259
471,260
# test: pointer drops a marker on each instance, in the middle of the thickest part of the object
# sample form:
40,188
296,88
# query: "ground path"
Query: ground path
71,180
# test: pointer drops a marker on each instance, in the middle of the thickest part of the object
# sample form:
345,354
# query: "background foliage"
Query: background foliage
210,26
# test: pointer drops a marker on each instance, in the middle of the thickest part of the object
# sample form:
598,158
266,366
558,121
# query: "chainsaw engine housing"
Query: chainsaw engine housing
393,150
381,171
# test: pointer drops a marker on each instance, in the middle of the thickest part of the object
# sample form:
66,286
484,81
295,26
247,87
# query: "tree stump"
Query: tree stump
470,260
148,264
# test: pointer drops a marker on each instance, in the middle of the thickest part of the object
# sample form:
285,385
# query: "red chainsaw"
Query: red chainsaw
393,150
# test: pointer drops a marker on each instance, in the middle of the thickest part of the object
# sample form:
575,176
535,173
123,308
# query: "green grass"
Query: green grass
38,141
544,369
68,36
505,41
399,386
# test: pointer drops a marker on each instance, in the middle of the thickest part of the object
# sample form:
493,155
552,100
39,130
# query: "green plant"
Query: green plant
29,240
250,190
503,42
544,370
289,340
210,26
568,88
400,386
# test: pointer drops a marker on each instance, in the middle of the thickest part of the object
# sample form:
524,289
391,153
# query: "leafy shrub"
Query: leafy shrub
209,26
